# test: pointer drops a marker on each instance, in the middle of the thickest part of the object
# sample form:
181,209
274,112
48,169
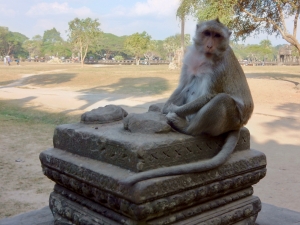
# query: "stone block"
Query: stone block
139,151
89,162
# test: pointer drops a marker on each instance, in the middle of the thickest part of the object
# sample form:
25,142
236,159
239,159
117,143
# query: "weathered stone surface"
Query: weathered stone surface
107,114
156,107
241,212
147,123
219,211
89,162
80,174
137,151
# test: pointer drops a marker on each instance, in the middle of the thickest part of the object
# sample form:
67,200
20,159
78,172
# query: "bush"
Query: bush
118,57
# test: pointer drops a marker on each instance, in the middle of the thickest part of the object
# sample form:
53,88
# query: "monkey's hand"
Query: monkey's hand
173,108
177,122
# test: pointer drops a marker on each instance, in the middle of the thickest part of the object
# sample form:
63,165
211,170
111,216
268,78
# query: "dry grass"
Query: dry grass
144,80
21,174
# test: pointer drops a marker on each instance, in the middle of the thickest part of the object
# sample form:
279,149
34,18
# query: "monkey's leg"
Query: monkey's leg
218,116
193,106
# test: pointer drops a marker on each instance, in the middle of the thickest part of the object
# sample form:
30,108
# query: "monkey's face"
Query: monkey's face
212,38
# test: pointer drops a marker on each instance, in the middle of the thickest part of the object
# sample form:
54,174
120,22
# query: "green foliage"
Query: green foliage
110,45
52,44
33,46
173,43
137,44
118,57
247,17
216,9
160,51
83,34
11,42
52,36
264,51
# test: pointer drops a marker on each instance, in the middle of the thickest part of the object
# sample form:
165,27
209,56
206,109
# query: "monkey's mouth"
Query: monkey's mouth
208,54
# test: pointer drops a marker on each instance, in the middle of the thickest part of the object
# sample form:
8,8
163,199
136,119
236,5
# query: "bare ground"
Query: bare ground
274,127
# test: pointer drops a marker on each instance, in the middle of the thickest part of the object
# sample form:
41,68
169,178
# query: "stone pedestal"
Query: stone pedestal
88,162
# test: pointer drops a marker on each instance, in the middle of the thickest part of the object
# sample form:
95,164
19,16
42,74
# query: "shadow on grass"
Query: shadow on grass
126,88
47,79
142,86
276,76
4,83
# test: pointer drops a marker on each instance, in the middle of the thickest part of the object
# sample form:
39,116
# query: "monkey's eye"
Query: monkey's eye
218,35
207,33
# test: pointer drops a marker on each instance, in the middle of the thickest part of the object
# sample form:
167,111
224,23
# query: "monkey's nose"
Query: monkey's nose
209,46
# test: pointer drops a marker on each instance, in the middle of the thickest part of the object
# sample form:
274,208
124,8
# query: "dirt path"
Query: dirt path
274,127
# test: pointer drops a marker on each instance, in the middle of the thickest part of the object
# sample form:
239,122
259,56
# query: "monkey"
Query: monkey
212,97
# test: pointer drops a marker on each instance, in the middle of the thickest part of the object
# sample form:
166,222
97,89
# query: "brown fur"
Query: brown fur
212,97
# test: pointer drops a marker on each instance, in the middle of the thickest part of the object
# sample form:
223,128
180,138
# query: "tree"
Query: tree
84,33
173,43
151,51
34,46
110,45
264,51
247,17
51,42
11,43
119,57
137,44
3,33
182,12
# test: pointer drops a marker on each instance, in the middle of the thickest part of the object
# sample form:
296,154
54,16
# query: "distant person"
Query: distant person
8,60
17,61
4,60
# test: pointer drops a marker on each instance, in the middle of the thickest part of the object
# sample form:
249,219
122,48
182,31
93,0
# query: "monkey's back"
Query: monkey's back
230,74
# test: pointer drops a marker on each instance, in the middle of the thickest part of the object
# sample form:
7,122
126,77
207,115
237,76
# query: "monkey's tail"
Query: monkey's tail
194,167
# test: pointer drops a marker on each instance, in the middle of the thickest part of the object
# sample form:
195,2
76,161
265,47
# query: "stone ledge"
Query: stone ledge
245,208
139,152
60,166
157,207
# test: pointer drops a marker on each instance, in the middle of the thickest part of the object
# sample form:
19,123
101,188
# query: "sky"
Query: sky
119,17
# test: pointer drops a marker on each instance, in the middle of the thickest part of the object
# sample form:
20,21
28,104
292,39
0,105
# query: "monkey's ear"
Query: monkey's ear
218,20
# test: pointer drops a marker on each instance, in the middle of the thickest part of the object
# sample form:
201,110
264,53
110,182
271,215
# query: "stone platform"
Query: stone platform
89,162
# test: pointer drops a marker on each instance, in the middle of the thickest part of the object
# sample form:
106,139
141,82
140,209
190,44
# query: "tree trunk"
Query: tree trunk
182,42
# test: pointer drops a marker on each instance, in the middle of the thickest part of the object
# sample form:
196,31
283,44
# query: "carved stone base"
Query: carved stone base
75,209
89,164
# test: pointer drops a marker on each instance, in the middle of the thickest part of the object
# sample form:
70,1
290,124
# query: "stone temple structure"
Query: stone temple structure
90,159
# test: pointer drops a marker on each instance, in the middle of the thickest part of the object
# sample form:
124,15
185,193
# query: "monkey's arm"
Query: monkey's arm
193,106
194,167
177,98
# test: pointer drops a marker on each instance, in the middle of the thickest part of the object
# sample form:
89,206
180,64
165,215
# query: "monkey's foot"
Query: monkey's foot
177,122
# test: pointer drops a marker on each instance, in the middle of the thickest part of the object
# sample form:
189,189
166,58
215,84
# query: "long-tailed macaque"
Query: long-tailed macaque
212,97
